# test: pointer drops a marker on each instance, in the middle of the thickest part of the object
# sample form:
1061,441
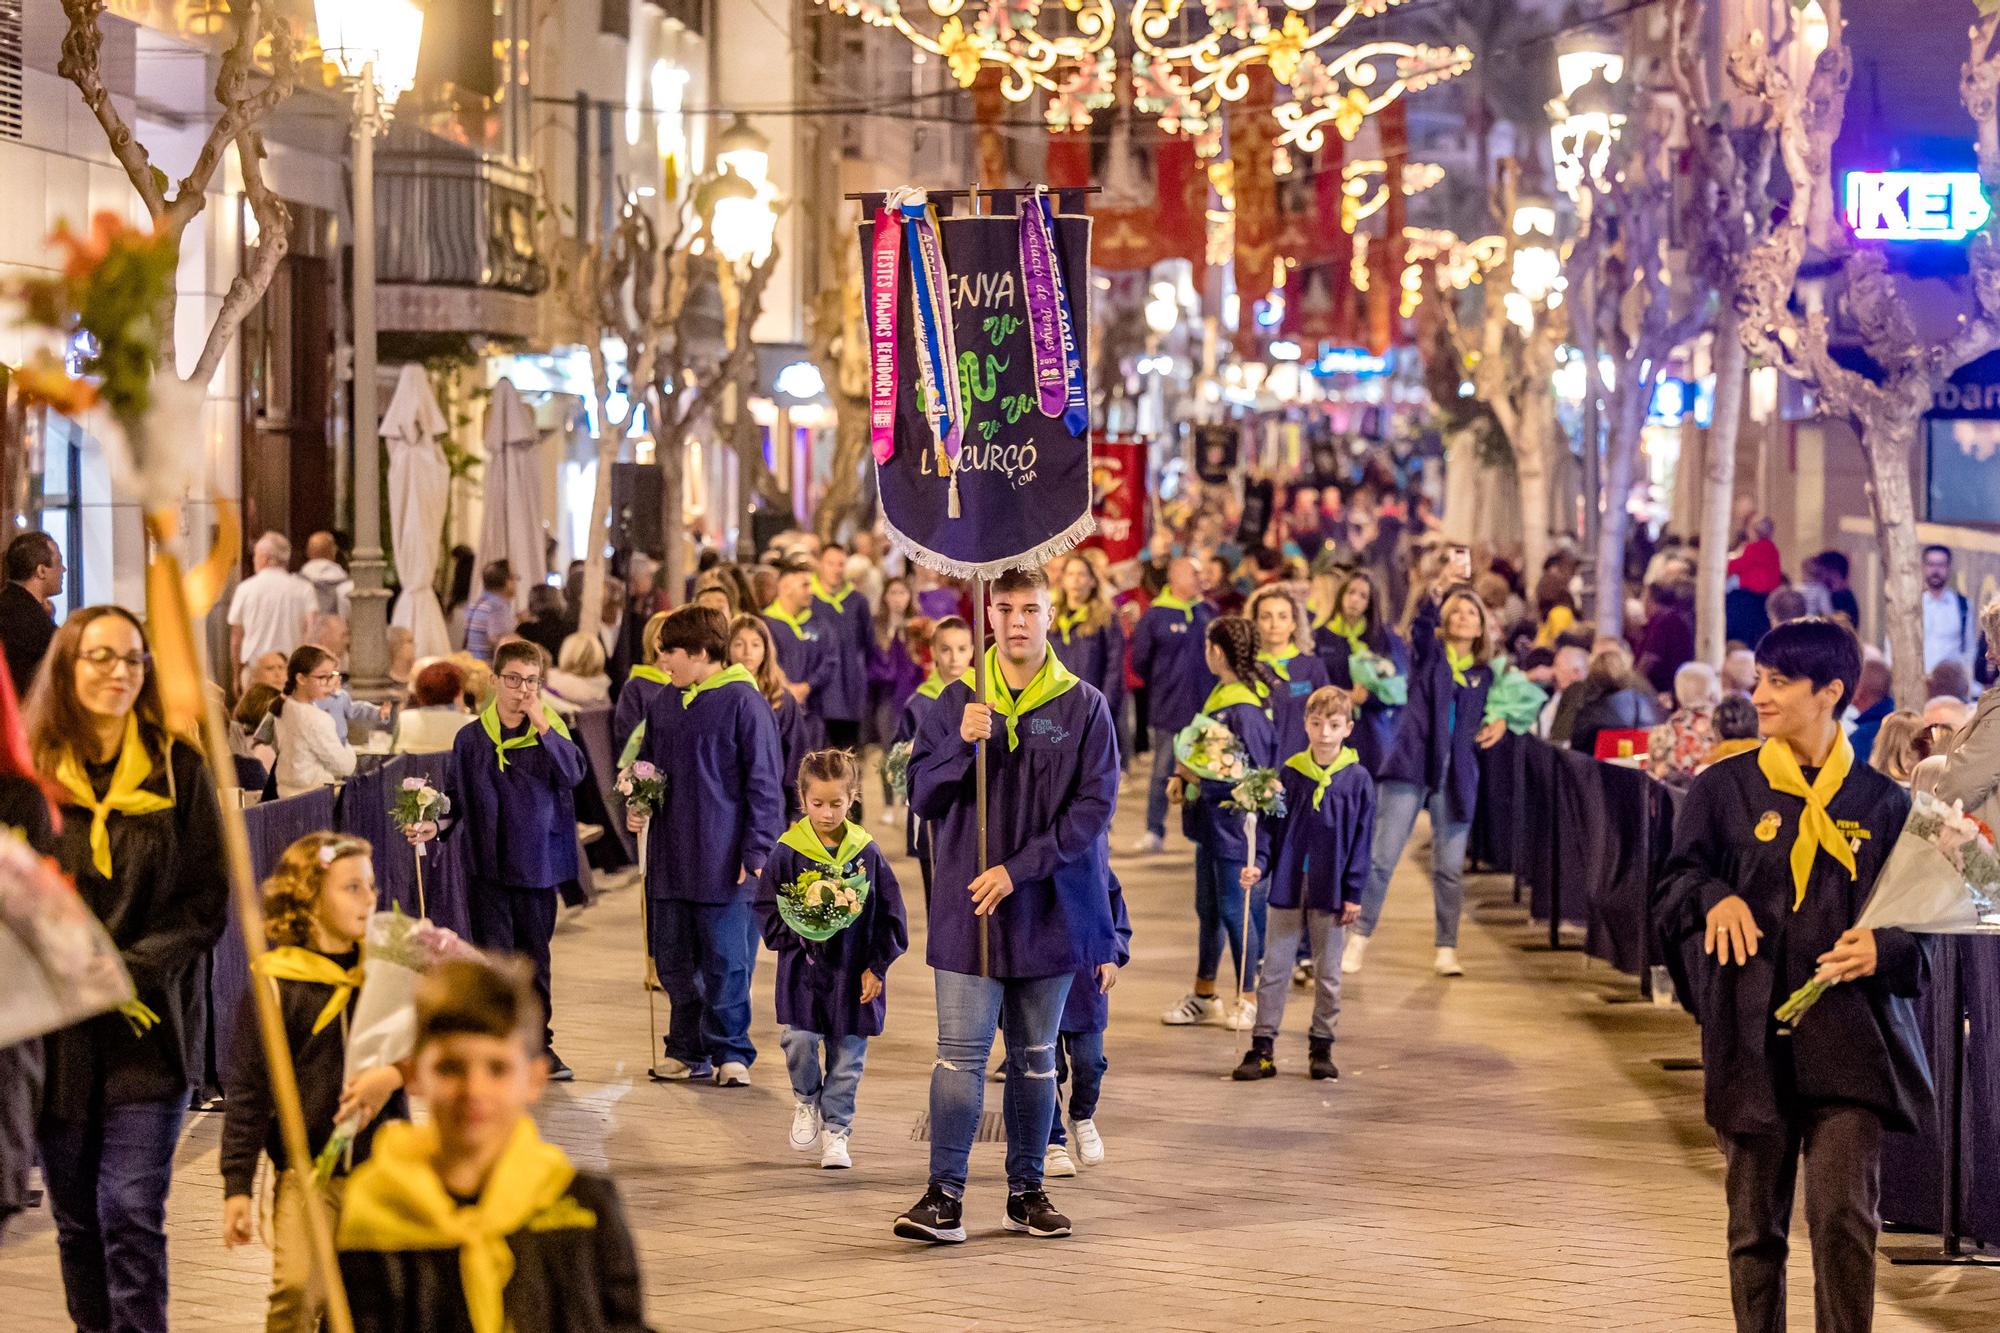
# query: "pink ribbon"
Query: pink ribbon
882,335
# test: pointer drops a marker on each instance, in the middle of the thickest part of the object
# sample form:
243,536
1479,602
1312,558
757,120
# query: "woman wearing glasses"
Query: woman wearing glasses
311,751
142,838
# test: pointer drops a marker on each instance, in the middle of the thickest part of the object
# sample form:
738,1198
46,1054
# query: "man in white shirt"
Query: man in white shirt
1949,631
269,611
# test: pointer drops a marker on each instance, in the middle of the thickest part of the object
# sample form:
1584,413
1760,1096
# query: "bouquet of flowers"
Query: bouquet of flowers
60,963
417,802
382,1025
1942,878
642,788
1261,792
1211,750
896,769
1513,698
823,900
1377,675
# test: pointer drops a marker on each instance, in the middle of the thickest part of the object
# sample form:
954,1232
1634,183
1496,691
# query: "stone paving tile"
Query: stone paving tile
1499,1154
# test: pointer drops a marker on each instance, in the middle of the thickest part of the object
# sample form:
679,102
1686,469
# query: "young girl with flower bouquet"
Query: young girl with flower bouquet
317,904
831,909
1208,770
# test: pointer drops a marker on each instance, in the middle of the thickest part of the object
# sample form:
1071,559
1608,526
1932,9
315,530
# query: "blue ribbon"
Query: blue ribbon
1076,404
937,407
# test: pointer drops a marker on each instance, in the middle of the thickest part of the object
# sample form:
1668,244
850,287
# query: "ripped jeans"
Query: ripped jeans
970,1009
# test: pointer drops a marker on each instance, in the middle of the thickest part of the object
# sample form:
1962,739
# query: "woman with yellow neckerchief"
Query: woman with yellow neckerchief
1086,635
142,838
1358,628
1284,644
1434,765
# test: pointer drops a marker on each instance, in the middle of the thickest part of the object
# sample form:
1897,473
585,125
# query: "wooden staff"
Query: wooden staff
422,911
646,953
979,762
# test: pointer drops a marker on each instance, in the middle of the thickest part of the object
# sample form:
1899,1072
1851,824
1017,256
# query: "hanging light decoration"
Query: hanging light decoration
1182,69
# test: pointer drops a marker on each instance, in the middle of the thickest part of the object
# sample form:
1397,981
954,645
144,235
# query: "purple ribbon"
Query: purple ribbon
1039,280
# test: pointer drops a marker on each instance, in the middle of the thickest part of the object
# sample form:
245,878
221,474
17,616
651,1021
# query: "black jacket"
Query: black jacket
249,1120
165,906
572,1280
1859,1045
25,631
1436,745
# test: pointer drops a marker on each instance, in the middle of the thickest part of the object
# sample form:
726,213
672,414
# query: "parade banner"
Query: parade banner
1215,450
986,466
1118,496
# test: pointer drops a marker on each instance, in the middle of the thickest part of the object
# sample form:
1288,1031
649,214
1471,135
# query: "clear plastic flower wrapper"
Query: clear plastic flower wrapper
896,769
823,901
59,962
1942,878
1211,751
1377,675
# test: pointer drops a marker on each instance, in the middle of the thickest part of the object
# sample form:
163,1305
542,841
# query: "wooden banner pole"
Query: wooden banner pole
979,760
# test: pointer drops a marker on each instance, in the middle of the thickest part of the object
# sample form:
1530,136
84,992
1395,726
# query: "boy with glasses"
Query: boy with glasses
517,769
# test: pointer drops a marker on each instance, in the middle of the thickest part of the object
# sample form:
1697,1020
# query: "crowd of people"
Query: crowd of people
1344,644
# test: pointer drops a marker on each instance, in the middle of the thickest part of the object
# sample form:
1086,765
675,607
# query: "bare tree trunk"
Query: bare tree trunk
1889,441
670,448
1531,466
1620,457
1719,489
590,610
1461,483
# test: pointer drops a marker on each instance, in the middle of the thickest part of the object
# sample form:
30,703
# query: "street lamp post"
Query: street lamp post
374,44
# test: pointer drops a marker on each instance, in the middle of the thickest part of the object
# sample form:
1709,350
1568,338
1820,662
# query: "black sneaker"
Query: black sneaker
1033,1213
1321,1060
558,1071
1257,1062
938,1219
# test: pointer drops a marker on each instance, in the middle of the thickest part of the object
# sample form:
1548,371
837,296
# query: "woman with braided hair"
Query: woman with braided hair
1240,701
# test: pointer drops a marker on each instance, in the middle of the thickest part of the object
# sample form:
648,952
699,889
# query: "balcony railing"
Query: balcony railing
450,220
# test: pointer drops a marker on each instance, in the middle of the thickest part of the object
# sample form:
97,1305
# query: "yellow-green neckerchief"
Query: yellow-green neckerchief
836,600
1816,827
1052,681
1173,603
1302,762
1235,692
934,684
126,795
652,673
1276,661
730,674
1459,665
490,719
777,612
1349,630
805,840
1069,620
291,963
396,1201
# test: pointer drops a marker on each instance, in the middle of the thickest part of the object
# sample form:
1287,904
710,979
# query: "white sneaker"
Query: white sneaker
732,1074
1193,1009
1152,842
1447,964
1089,1143
671,1070
891,817
806,1125
1352,953
833,1151
1243,1017
1302,975
1056,1162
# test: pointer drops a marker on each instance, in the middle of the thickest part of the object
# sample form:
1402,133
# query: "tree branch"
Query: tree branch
81,64
274,241
246,96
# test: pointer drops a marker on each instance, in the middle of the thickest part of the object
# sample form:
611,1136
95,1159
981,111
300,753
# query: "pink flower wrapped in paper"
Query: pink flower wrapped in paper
382,1029
59,962
642,787
1941,878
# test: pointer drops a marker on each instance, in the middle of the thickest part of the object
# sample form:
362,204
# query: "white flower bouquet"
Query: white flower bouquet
417,802
1942,878
1211,751
823,901
896,769
60,963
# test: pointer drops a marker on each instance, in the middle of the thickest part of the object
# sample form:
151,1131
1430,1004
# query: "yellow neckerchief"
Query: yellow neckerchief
777,612
1320,618
1052,681
396,1201
1816,827
1730,749
1069,620
1235,692
1459,665
733,673
1302,762
934,684
490,719
1173,603
652,673
289,962
1350,630
126,794
1276,661
804,839
836,600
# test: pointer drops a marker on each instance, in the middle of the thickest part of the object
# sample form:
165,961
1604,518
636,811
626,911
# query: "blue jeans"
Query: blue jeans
832,1091
1080,1059
107,1182
1156,786
1218,910
970,1009
704,953
1396,807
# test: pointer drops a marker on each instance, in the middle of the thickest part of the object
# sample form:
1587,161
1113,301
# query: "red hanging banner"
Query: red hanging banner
1118,496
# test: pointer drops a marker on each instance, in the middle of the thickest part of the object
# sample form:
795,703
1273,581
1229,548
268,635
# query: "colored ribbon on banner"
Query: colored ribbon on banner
1076,397
882,335
1038,283
937,348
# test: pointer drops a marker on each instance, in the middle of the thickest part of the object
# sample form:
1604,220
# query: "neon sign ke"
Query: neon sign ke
1915,205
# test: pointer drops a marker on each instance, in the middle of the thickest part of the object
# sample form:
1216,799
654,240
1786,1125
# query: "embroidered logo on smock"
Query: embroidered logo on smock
565,1214
1047,729
1851,830
1767,827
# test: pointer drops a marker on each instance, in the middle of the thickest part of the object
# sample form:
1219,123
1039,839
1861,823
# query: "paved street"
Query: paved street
1500,1153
